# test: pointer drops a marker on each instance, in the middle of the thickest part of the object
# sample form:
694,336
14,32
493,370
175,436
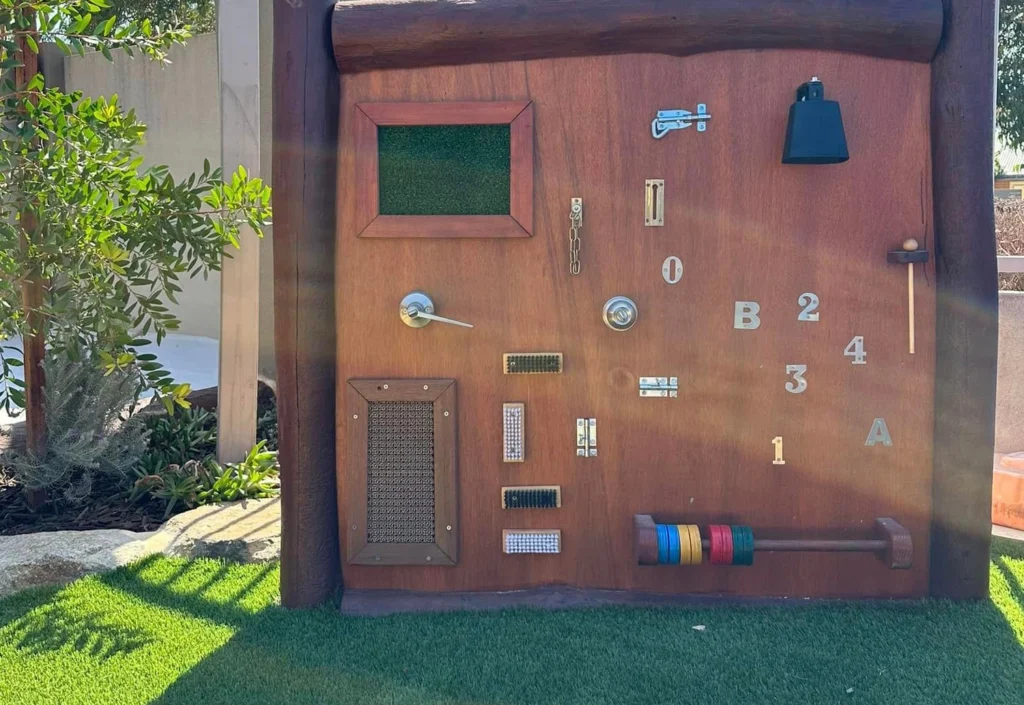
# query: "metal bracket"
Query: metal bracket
659,387
669,120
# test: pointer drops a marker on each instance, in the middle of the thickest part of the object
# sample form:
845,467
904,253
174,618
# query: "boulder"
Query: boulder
246,531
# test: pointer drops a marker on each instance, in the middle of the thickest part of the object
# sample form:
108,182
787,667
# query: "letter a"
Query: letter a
879,434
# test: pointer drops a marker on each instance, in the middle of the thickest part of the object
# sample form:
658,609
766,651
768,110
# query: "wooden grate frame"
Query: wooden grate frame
518,115
359,393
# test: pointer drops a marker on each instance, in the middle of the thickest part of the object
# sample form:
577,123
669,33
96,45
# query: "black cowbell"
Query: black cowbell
815,132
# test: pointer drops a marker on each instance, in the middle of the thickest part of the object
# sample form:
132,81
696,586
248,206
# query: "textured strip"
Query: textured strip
531,497
513,417
532,363
532,540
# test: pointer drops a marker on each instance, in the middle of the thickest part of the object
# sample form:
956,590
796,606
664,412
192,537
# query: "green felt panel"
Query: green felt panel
444,169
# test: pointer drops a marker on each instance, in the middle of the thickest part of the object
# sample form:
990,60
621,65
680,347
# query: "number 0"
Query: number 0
856,350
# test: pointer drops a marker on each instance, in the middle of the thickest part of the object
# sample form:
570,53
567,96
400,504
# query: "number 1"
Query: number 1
777,442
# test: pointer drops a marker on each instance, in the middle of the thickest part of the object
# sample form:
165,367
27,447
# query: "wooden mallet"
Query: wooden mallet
910,254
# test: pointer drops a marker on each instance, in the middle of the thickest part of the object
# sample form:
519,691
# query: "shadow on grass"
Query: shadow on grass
911,652
901,652
52,626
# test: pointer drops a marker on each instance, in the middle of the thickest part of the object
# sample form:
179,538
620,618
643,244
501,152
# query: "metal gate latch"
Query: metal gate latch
669,120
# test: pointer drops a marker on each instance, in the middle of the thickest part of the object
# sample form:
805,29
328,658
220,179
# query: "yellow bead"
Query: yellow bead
684,544
697,555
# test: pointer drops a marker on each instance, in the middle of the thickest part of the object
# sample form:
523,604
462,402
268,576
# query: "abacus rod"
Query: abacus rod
823,545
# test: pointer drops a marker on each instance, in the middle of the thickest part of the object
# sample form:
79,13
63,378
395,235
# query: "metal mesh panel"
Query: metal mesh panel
400,472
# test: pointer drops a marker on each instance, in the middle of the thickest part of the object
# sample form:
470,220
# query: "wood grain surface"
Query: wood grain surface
967,327
305,184
388,34
746,228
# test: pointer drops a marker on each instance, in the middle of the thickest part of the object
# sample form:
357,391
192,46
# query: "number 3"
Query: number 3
810,303
798,376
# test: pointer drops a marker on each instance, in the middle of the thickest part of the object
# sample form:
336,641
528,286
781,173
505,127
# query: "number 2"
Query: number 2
810,303
856,350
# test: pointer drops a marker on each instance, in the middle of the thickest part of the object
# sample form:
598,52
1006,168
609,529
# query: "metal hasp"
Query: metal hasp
620,313
659,387
814,133
417,310
669,120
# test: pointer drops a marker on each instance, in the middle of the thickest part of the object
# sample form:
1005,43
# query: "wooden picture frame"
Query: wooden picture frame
440,393
517,114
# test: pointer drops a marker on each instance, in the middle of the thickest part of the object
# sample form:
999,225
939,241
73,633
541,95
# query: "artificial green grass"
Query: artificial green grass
175,632
444,170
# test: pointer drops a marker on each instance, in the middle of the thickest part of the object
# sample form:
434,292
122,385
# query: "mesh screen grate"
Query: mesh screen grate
400,472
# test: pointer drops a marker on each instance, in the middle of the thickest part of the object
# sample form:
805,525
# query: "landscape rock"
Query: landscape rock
247,531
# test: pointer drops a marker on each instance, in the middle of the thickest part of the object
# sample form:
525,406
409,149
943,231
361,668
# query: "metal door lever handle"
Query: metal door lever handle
414,313
417,310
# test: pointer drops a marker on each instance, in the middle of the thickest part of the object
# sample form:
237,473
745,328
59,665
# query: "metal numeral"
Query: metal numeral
798,372
810,303
856,350
777,442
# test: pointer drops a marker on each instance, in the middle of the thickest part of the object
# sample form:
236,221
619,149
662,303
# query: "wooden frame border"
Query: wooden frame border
967,301
441,393
387,34
517,114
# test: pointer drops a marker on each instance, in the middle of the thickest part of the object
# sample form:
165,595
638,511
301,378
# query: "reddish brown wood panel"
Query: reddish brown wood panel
389,34
747,228
368,116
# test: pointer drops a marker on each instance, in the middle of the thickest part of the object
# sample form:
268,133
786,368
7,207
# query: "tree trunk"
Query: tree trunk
34,343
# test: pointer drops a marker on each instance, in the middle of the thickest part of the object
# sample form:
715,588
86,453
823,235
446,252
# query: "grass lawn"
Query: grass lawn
205,633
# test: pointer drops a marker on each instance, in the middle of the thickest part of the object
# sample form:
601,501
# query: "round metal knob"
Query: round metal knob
620,313
413,304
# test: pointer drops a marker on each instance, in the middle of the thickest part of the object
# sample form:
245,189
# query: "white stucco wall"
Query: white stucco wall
180,104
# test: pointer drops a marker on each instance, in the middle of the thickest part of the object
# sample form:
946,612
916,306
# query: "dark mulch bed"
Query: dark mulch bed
107,509
108,506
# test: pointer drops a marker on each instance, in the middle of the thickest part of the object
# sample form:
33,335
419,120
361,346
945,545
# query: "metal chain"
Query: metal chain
575,226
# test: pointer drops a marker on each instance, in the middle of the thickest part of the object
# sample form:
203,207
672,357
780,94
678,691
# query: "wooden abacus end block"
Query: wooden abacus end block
645,537
899,551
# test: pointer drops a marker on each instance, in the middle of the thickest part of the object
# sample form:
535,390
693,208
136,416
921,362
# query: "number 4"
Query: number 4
856,350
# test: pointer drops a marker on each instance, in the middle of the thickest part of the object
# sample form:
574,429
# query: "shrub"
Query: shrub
200,482
91,428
